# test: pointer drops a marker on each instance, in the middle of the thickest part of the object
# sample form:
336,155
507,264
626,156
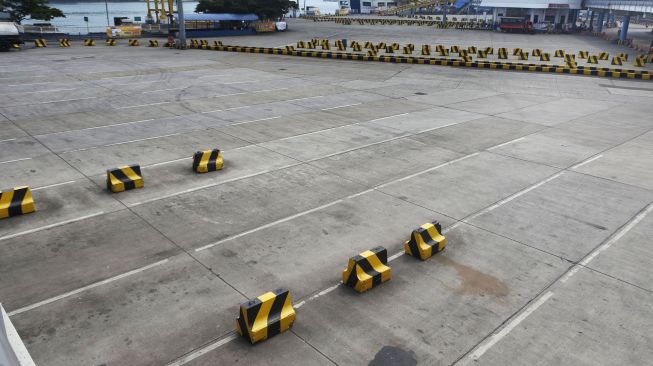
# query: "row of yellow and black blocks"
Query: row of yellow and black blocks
273,312
19,201
203,44
497,65
439,24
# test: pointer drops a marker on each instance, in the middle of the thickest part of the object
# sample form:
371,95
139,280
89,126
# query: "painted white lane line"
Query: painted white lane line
44,91
270,224
81,289
7,140
46,82
254,120
358,148
15,160
61,223
586,161
427,170
98,127
141,105
496,337
209,185
341,106
144,139
382,118
239,82
505,143
513,196
613,239
53,185
203,350
67,100
160,90
166,162
269,90
306,98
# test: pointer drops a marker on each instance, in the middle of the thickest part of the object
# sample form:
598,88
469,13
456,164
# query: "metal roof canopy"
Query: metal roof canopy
219,17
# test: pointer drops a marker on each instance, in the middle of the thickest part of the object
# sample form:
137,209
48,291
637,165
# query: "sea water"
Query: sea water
96,12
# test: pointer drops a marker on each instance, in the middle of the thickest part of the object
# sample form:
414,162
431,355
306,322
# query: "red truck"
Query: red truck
516,24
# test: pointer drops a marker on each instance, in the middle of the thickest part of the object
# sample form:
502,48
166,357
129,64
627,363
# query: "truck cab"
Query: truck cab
516,24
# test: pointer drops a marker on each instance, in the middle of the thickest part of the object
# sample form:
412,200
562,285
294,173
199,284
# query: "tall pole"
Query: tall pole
182,24
106,7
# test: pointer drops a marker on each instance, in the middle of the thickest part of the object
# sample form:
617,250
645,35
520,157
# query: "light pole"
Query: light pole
182,23
106,7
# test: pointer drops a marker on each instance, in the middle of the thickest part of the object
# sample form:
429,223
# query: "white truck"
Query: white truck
9,33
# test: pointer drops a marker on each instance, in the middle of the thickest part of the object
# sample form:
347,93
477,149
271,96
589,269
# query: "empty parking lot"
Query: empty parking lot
543,184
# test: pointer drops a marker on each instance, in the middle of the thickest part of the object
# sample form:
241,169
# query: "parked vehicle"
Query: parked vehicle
516,24
9,35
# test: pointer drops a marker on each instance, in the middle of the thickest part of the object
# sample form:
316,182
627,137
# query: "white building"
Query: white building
370,6
554,11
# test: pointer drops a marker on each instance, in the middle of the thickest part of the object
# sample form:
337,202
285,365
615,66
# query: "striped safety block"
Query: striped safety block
17,201
124,178
368,269
207,161
266,316
425,241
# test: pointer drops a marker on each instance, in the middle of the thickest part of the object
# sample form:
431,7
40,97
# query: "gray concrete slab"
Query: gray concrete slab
37,172
554,147
592,319
386,162
60,204
286,126
427,119
559,111
501,103
629,258
177,177
380,109
253,265
568,216
152,317
334,141
36,266
284,349
451,96
633,156
153,151
20,148
467,186
478,134
433,310
8,130
205,216
82,139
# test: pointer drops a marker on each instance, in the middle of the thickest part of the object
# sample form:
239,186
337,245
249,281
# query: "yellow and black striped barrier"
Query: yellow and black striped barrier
559,53
454,49
40,43
536,52
516,51
90,42
583,54
110,42
639,61
15,46
425,241
133,43
616,60
522,55
266,316
124,178
426,50
545,56
207,161
17,201
604,56
592,59
389,49
481,54
368,269
290,48
64,42
471,49
153,43
489,50
441,61
503,53
623,56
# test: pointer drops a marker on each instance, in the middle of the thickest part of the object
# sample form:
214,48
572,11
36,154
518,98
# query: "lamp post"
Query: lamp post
106,7
182,24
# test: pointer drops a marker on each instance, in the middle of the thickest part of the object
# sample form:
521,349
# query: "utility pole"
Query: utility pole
106,7
182,25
